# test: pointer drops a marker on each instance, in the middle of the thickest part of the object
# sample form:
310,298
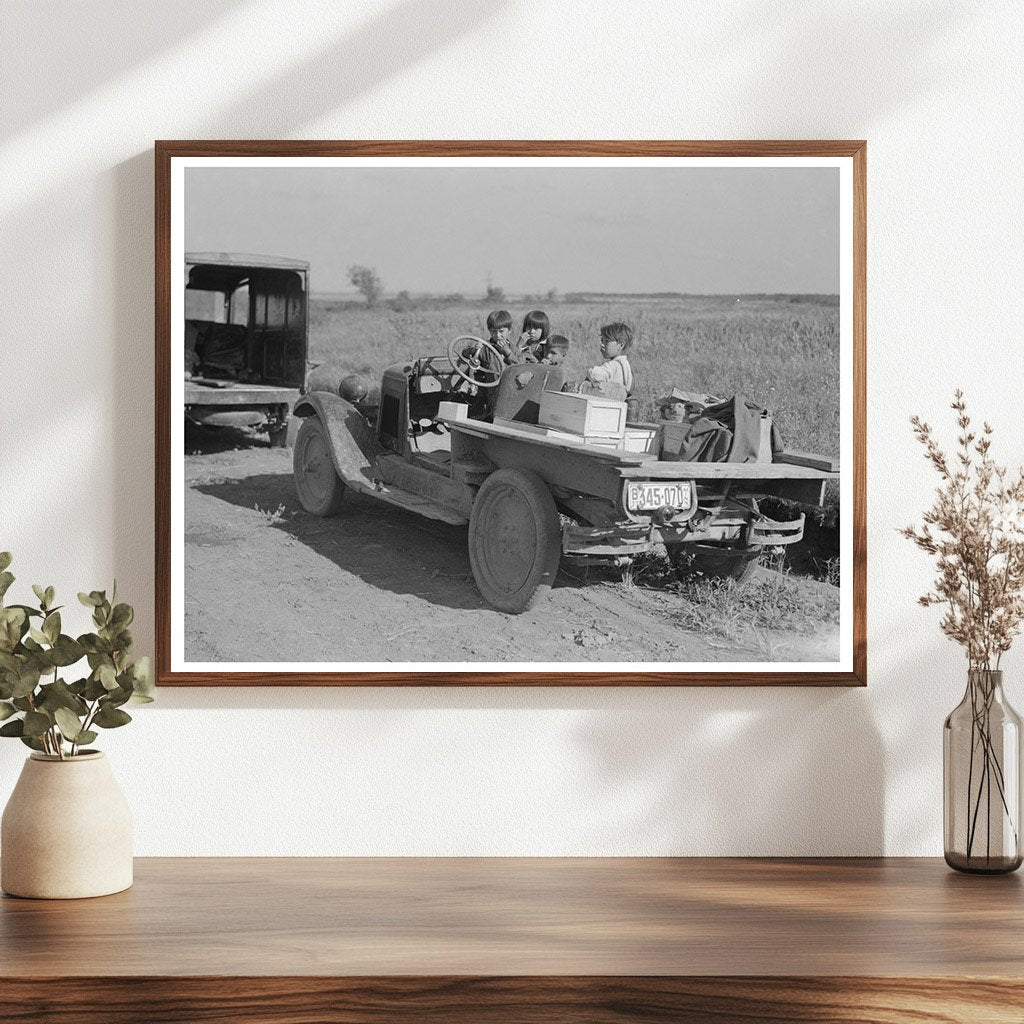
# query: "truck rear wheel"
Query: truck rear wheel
317,483
715,562
515,542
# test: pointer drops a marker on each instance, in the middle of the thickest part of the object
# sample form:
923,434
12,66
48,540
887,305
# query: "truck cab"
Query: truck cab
246,340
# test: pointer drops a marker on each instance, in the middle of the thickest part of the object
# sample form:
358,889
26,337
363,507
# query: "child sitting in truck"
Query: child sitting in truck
499,324
616,340
536,328
555,350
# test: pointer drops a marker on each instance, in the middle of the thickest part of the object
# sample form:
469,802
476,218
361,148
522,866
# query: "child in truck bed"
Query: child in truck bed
616,340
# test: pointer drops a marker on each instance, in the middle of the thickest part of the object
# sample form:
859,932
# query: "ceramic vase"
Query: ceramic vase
66,831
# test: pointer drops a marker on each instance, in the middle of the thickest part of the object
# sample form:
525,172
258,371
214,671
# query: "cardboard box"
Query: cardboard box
586,416
452,411
641,439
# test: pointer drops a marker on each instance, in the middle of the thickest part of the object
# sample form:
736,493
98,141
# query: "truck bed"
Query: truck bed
637,465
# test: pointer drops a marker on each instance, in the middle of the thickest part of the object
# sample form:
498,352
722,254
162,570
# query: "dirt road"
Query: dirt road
266,581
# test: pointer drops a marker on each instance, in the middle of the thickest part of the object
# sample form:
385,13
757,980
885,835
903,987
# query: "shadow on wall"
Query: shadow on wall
384,46
807,58
714,772
80,37
339,72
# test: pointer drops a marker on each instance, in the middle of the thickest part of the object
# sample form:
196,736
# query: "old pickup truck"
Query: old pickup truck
462,439
246,336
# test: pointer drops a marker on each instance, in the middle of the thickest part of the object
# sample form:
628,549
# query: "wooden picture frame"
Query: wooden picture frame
173,159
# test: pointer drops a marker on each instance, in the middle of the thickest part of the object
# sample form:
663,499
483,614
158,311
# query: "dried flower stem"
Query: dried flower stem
975,531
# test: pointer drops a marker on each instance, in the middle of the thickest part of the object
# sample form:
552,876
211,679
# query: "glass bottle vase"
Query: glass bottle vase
981,773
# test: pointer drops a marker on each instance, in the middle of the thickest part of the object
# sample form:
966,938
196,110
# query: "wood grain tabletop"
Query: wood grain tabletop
511,916
573,940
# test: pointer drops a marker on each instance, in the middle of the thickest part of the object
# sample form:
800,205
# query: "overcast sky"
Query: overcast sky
698,230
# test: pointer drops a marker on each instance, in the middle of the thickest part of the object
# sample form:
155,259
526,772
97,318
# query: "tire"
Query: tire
515,540
716,562
317,483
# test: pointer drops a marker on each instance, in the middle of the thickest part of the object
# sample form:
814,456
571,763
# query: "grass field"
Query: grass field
780,351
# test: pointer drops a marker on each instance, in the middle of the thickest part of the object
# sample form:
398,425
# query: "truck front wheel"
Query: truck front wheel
715,561
515,542
317,483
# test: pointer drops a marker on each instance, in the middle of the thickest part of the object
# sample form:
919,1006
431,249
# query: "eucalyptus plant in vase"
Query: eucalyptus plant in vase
975,531
66,830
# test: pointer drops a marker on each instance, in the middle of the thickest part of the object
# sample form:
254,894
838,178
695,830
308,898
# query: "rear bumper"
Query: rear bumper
635,538
265,416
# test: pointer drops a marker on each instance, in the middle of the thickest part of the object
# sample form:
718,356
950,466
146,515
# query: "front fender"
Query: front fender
353,445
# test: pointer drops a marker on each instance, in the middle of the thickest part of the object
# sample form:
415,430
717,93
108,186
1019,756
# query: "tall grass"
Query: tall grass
777,351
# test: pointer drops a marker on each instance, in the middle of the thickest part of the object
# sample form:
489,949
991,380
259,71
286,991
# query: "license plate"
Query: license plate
646,497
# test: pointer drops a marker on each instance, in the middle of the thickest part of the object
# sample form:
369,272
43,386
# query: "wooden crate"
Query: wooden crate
641,439
586,416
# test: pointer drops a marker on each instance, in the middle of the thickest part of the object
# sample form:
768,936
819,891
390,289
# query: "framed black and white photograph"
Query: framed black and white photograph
491,413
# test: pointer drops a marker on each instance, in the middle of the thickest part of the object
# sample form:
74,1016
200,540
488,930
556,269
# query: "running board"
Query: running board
414,503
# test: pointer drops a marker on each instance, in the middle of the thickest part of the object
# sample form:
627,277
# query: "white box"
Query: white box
641,439
452,411
584,415
764,450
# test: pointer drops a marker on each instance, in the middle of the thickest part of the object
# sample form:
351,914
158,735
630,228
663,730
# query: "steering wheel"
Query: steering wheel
467,366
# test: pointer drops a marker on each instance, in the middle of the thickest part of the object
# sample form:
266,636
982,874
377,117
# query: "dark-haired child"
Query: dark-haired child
499,325
555,350
616,340
536,328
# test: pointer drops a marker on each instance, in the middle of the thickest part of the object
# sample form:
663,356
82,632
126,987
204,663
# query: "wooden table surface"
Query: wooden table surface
500,939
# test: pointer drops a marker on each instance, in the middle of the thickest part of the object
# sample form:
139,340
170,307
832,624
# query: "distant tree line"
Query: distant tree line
367,282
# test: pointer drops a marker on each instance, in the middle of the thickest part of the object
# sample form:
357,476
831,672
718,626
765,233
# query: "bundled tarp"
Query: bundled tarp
729,431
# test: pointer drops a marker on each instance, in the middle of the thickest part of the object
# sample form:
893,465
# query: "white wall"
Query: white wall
937,90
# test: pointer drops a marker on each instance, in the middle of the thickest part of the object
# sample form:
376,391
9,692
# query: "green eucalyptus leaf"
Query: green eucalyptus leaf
13,728
69,724
27,681
86,736
6,710
94,644
36,723
59,695
31,741
22,703
50,595
13,626
40,593
6,579
5,560
110,718
95,660
107,676
115,698
29,611
66,651
9,663
122,616
38,636
89,600
94,689
51,626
